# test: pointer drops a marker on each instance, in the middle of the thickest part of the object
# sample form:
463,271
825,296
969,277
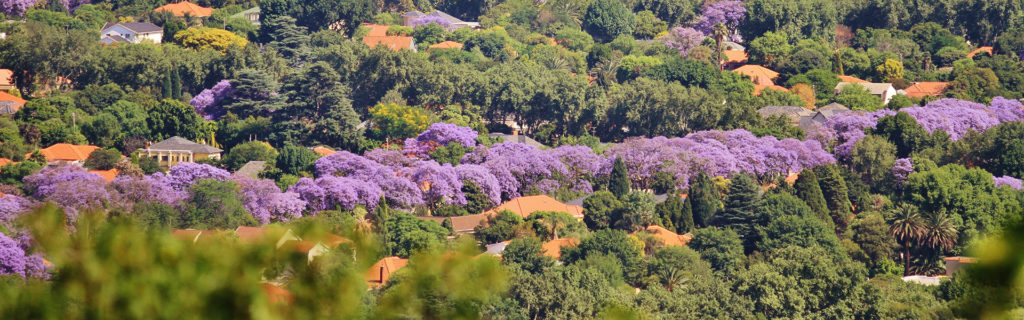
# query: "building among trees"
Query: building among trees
177,150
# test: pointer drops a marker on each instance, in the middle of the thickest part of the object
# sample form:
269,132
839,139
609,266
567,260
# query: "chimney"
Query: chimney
515,132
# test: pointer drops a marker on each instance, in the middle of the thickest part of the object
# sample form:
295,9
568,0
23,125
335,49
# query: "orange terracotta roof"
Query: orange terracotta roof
323,151
250,234
447,45
758,88
462,223
392,42
334,240
667,237
276,294
791,178
181,8
108,175
924,89
4,96
381,271
553,248
986,49
303,246
376,30
754,72
852,79
735,56
6,77
66,152
5,161
187,234
524,206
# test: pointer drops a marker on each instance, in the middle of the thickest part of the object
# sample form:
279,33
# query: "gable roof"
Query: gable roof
924,89
66,152
391,42
251,169
462,224
794,113
442,14
735,56
137,27
667,237
323,151
108,175
835,106
874,88
376,30
177,143
13,103
553,248
985,49
852,79
447,45
114,38
256,234
380,272
524,206
181,8
276,294
755,72
759,88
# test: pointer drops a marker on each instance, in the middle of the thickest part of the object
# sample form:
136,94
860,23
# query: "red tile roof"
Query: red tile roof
323,151
66,152
924,89
667,237
758,88
381,271
379,35
19,102
447,45
554,247
108,175
462,223
181,8
5,161
986,49
276,294
524,206
852,79
250,234
756,72
734,56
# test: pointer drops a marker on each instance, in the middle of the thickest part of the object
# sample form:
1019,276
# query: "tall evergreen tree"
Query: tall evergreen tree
807,189
380,217
619,184
165,89
704,199
286,37
175,84
675,214
740,212
318,108
837,197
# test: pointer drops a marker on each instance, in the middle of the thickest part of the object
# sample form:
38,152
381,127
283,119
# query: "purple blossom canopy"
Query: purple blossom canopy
183,175
69,186
440,183
390,158
439,135
344,163
956,117
848,129
207,102
14,260
397,187
683,39
728,12
428,19
266,202
16,7
329,193
149,189
1013,183
483,179
901,170
517,166
11,207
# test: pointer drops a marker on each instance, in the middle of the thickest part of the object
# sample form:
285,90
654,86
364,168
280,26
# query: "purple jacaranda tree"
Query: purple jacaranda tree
398,188
848,128
147,189
11,207
16,7
440,183
517,166
483,178
955,117
580,161
15,260
439,135
266,202
70,187
390,158
901,170
330,192
183,175
683,39
208,102
428,19
1007,110
344,163
727,12
1013,183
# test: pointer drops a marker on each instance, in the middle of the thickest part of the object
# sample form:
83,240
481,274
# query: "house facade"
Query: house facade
131,32
882,90
177,150
253,15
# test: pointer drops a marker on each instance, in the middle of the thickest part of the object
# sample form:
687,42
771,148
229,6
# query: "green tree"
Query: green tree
675,267
856,97
214,204
873,158
380,218
704,199
499,227
974,83
619,184
101,159
720,247
833,187
317,110
606,19
242,153
890,71
807,189
636,211
295,160
675,214
527,253
648,26
908,227
174,118
617,243
740,210
871,233
393,121
209,38
600,208
408,234
904,132
428,35
770,48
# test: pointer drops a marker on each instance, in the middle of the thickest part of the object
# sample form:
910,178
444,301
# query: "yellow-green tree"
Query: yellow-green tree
212,38
393,121
890,70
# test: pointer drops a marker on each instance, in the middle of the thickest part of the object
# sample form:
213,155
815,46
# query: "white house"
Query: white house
253,15
131,32
883,90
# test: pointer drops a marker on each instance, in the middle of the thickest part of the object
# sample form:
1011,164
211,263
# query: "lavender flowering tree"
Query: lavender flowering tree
182,175
439,135
482,178
440,183
728,13
517,166
328,193
266,202
683,39
16,7
901,170
956,117
15,260
1007,110
428,19
582,165
848,128
149,189
12,206
398,187
208,102
70,187
1014,183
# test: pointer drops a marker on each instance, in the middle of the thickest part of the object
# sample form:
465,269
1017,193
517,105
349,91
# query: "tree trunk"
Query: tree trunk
906,258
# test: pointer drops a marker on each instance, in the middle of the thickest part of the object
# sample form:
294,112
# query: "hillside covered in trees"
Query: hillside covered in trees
512,159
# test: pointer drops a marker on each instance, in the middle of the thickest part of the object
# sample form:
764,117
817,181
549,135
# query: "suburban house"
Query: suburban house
177,150
257,234
461,224
794,113
554,247
185,8
65,153
924,89
409,17
131,32
852,79
10,104
7,80
252,14
516,137
758,74
804,118
378,35
380,272
251,169
524,206
883,90
954,264
733,59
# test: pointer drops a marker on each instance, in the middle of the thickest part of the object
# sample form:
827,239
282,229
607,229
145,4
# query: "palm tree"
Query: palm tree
939,232
906,227
721,32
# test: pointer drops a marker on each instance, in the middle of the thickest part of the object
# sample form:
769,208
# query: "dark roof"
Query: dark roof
412,14
833,107
113,38
177,143
139,27
794,113
252,169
